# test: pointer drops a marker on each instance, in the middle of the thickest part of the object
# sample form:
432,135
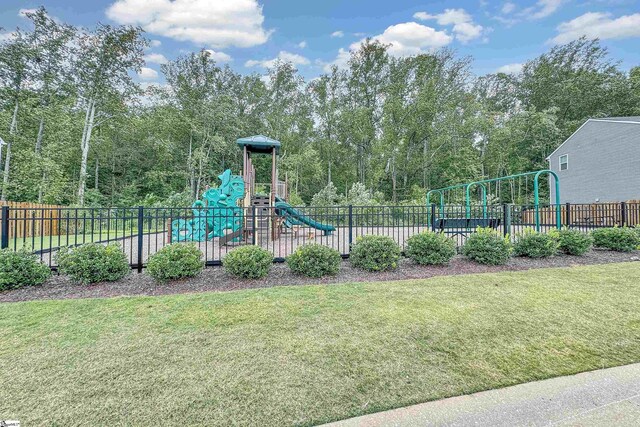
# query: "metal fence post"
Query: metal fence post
506,219
140,236
567,214
350,226
253,225
5,227
623,213
433,217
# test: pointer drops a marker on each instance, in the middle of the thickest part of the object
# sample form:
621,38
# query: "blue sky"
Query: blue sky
249,34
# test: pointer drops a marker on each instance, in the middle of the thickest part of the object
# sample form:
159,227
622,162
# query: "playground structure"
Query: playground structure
222,212
486,220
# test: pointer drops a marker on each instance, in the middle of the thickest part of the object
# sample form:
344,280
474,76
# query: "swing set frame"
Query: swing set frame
481,183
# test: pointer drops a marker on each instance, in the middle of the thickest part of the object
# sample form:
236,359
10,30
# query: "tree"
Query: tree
102,68
14,57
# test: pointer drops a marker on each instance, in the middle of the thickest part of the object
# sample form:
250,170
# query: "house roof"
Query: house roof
259,144
628,120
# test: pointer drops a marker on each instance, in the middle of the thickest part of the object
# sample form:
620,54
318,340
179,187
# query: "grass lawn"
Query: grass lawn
37,243
306,355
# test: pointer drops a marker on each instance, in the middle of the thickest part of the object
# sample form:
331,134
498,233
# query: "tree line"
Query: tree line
80,130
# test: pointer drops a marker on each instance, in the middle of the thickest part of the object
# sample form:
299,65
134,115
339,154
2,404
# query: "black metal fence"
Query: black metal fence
143,231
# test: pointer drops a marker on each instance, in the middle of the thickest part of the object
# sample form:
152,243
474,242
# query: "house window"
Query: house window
564,162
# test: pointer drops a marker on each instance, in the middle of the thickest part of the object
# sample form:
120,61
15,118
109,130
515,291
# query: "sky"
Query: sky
249,35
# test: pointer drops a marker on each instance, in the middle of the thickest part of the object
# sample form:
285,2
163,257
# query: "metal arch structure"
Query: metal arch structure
536,196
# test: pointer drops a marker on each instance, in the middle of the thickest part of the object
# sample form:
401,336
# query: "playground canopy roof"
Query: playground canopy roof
259,144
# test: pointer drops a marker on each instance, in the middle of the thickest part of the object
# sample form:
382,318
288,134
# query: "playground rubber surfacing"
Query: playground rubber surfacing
217,280
285,245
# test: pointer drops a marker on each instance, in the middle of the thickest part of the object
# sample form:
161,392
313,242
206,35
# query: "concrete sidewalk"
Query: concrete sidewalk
609,397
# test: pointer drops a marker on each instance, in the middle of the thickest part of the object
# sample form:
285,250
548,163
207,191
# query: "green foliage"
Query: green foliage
248,262
375,253
21,268
93,262
314,260
533,244
487,246
572,242
175,261
430,248
326,197
621,239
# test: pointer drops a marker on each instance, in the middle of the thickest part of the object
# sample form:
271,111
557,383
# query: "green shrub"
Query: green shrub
533,244
175,261
375,253
621,239
93,262
21,268
572,242
249,262
487,246
430,248
314,260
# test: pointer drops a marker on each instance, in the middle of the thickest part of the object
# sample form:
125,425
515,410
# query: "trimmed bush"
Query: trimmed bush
487,246
249,262
532,244
314,260
375,253
175,261
573,242
430,248
93,262
21,268
621,239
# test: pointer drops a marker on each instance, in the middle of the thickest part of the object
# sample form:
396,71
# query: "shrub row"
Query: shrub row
95,262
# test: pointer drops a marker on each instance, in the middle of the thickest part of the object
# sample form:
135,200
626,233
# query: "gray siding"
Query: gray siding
604,164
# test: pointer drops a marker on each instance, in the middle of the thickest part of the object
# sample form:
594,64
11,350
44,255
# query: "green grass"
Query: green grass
35,243
305,355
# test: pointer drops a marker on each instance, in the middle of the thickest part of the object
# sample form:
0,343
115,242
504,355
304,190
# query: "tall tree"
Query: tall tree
104,61
14,58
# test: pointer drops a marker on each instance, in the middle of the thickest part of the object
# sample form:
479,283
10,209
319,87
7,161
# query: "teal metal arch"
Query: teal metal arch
484,198
536,195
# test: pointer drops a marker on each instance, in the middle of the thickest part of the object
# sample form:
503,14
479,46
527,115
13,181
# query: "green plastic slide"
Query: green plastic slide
296,217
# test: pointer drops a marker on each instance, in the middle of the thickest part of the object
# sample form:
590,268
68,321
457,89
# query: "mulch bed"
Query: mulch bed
215,278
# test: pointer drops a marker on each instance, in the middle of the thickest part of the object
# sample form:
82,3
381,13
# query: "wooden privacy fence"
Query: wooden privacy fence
593,214
32,219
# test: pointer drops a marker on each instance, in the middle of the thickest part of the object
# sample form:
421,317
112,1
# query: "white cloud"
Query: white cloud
464,28
218,56
148,73
155,43
341,61
507,8
405,39
6,36
541,9
155,58
338,33
302,44
599,25
23,12
514,68
219,24
284,56
410,38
